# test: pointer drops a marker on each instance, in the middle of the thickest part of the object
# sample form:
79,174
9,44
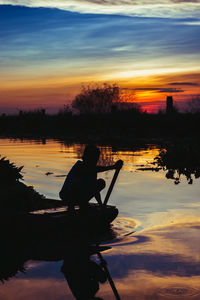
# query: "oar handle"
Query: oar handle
104,264
113,182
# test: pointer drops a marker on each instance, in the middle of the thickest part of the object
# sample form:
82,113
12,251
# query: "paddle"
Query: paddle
104,264
120,163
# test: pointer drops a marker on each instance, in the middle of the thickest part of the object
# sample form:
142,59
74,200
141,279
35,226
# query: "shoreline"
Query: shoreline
110,129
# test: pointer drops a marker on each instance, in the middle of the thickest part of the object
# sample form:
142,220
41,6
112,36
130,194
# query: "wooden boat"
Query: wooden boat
95,216
57,222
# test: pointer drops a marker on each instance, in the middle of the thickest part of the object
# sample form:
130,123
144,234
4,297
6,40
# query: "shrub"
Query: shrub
15,195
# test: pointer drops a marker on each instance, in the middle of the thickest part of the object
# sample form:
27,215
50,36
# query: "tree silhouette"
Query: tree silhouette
178,160
97,99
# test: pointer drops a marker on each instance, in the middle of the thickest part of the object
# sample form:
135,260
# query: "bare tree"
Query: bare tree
98,99
104,99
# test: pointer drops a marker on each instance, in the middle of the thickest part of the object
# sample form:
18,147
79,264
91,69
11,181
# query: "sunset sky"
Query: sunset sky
49,49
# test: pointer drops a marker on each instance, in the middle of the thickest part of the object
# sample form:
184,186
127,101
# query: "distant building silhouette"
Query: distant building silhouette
169,105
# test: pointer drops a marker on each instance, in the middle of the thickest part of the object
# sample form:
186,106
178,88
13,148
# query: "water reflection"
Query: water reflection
10,263
178,160
83,273
155,248
157,263
144,196
109,154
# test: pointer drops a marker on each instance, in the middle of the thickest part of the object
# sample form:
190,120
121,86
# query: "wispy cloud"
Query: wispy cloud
144,8
161,90
185,83
190,23
59,48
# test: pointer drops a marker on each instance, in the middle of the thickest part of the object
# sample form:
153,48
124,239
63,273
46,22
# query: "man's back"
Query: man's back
80,177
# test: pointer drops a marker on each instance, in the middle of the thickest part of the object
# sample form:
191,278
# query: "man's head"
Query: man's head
91,154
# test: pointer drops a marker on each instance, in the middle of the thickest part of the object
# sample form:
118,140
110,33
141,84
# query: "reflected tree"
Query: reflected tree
11,265
180,160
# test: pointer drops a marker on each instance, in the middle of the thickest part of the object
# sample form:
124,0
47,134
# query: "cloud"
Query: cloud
144,8
185,83
161,90
163,264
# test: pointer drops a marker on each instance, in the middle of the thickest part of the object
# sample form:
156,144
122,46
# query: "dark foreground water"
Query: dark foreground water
155,251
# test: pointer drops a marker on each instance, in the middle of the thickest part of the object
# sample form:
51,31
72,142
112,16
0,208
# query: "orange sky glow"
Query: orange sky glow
53,93
47,56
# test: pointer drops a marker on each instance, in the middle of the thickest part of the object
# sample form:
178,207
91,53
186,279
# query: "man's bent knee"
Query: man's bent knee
101,184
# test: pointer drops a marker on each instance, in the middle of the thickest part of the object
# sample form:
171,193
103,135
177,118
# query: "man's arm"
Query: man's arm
104,168
117,165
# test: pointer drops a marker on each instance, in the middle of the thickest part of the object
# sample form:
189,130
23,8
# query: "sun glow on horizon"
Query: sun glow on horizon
47,56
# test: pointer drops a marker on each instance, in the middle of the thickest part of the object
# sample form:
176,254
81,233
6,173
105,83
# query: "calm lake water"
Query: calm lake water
156,252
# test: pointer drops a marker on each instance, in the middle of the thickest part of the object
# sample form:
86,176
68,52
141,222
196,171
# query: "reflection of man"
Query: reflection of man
83,275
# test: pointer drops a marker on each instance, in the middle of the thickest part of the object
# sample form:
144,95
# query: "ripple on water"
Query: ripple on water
179,292
124,226
121,229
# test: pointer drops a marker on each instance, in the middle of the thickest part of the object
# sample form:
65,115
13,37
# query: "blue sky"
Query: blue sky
46,53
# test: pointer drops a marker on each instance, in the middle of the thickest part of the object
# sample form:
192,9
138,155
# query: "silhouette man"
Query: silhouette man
81,183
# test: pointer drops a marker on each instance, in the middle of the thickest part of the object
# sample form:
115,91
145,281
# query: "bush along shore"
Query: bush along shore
15,195
119,127
104,113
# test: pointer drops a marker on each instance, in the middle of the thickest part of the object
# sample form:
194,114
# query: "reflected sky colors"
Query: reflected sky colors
159,260
157,263
146,196
48,49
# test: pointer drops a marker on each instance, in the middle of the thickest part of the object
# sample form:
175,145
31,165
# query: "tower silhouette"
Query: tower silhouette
169,105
